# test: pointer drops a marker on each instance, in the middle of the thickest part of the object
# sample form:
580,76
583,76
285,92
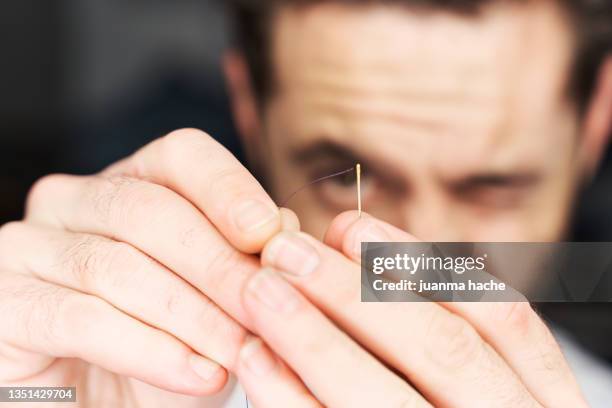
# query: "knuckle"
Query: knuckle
219,327
186,136
554,366
229,179
450,342
174,300
548,355
178,144
104,192
97,264
115,197
515,317
60,311
123,266
216,326
47,320
188,148
81,259
191,237
223,266
42,189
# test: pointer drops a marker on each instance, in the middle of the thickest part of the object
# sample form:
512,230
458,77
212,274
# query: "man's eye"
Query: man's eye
348,180
340,192
496,193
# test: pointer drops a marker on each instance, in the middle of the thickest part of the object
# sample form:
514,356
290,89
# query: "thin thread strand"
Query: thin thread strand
340,173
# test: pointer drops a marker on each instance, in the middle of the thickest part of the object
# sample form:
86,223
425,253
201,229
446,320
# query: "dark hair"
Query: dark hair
591,21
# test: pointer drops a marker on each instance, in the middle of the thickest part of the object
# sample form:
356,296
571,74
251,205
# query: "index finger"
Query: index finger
194,165
514,329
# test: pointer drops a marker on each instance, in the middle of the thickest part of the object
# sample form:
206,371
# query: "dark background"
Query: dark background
86,82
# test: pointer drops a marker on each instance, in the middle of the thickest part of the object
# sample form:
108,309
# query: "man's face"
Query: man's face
461,123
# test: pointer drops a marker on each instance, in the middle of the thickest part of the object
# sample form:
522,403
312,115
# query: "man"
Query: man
469,118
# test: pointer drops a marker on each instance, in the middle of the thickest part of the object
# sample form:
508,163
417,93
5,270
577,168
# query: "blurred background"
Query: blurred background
86,82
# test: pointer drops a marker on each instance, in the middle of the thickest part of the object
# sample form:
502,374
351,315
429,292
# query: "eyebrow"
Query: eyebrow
323,149
516,179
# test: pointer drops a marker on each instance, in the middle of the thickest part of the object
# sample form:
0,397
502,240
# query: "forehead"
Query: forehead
392,71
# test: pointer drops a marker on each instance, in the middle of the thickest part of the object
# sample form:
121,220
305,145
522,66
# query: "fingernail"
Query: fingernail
250,215
366,231
204,368
291,253
268,288
256,357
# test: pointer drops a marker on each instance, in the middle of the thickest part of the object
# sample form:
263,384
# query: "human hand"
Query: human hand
353,354
134,273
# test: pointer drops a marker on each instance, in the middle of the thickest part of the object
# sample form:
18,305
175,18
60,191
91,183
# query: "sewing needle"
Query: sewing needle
358,169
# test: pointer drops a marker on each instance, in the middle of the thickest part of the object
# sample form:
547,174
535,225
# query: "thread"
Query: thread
340,173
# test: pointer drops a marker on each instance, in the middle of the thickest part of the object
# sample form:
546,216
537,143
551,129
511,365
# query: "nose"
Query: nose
431,219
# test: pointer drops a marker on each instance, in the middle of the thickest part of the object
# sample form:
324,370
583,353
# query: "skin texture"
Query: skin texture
462,123
142,284
103,283
504,356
